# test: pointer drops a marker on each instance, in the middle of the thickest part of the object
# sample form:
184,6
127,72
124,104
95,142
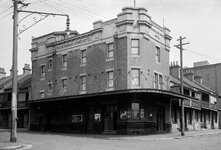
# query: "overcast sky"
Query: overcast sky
198,20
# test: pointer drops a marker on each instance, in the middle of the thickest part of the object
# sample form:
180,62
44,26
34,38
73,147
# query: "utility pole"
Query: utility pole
13,136
180,46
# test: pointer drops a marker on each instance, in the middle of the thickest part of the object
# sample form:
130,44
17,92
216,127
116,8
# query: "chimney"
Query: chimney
189,75
198,78
2,72
175,69
27,69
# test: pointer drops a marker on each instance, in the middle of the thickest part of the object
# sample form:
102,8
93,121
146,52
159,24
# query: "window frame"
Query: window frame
110,51
135,47
64,61
133,79
158,80
50,86
42,94
64,85
110,81
158,53
50,64
83,83
42,75
83,56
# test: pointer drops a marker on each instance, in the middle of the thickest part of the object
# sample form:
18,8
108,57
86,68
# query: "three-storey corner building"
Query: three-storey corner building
112,79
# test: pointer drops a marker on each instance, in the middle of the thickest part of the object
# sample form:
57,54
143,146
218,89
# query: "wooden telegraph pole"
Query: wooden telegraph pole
13,136
180,46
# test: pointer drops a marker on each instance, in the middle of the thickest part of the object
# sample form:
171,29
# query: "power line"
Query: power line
70,9
5,16
1,1
85,9
5,10
3,5
201,54
52,7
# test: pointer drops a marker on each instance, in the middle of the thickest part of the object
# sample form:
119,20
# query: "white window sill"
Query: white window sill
64,68
110,89
41,79
110,59
82,65
83,92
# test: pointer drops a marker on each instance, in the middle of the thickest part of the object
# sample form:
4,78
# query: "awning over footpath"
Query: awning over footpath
158,92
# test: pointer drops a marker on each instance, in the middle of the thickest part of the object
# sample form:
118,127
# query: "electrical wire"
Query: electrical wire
69,9
85,9
5,16
5,10
4,4
201,54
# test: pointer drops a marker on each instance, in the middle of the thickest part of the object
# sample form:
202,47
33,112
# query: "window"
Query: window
135,75
64,85
64,61
49,64
49,86
43,71
97,117
174,116
135,111
123,114
110,79
157,54
83,56
135,47
158,81
197,115
161,81
110,50
190,117
155,80
77,118
41,94
83,83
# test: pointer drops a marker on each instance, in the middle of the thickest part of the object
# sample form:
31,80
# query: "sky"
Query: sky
197,20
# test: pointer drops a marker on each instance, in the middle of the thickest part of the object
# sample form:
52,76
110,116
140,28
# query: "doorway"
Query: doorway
110,118
160,118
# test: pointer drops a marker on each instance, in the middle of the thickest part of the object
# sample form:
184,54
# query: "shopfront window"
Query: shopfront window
135,111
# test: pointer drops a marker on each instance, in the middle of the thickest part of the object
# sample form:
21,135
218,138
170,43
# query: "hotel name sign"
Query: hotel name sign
74,42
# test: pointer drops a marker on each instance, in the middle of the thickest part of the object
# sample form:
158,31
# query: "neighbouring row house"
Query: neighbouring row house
201,109
23,96
211,77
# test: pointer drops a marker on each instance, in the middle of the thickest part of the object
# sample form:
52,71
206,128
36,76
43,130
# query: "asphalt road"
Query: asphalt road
47,141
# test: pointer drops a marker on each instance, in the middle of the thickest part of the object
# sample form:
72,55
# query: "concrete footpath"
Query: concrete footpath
25,140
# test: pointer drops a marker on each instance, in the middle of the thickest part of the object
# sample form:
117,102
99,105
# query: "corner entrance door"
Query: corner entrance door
110,118
160,118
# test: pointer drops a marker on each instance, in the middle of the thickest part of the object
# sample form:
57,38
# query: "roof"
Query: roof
6,82
191,85
21,81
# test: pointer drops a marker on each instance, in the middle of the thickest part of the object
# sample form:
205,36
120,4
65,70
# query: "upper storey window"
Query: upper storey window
135,77
135,47
83,56
110,79
49,64
64,61
42,71
110,50
157,54
158,81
